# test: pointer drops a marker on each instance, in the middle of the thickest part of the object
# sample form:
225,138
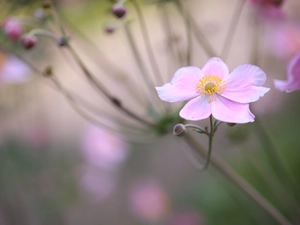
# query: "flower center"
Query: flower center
210,88
209,85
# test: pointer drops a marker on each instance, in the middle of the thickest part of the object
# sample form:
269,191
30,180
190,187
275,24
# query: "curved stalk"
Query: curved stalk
240,182
147,42
232,29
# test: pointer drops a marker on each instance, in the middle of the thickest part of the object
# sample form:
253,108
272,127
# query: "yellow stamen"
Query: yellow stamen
209,85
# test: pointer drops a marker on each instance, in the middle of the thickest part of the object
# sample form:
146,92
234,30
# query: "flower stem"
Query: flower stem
146,39
145,75
240,183
103,90
181,8
232,29
200,37
275,161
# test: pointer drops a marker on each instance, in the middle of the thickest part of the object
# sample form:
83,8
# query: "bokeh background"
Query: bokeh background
57,168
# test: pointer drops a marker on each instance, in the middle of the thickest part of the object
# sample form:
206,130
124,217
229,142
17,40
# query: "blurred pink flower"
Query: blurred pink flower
284,39
36,135
148,201
185,218
293,76
268,9
12,28
103,148
213,90
97,185
12,70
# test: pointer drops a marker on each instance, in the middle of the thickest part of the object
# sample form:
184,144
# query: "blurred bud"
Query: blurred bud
277,2
48,71
46,4
231,124
12,28
109,28
28,41
61,41
119,10
179,130
116,101
39,14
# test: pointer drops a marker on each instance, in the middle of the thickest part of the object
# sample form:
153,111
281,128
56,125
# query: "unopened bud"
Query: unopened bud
48,71
28,41
109,28
12,28
46,4
61,41
116,101
119,10
231,124
277,3
179,130
39,14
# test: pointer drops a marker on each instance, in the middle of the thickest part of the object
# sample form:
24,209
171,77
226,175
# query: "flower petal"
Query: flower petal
182,86
293,76
229,111
242,84
215,67
196,109
287,86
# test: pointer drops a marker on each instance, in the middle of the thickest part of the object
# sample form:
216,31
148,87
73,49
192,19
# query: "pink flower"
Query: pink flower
97,185
148,201
268,9
293,76
103,148
12,70
186,218
12,28
213,90
284,39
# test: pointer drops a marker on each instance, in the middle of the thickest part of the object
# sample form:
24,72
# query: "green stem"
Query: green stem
275,160
240,183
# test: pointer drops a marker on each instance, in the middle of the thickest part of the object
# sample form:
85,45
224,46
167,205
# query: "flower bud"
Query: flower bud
28,41
46,4
277,3
12,28
231,124
109,28
116,101
119,10
39,14
179,130
61,41
48,71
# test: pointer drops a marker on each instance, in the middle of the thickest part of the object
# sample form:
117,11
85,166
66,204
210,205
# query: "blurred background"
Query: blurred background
58,168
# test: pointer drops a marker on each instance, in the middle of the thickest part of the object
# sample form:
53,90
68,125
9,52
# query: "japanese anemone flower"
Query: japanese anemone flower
213,90
293,76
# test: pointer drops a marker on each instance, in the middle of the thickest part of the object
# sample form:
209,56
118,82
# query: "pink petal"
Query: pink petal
242,84
182,86
215,67
196,109
293,76
232,112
